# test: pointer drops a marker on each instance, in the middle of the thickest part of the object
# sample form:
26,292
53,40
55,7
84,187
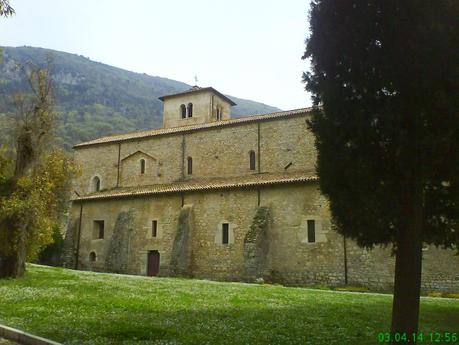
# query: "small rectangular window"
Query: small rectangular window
142,166
154,228
99,229
225,233
311,230
252,158
190,166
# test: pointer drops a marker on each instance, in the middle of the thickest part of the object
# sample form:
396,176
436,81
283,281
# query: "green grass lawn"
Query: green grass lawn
90,308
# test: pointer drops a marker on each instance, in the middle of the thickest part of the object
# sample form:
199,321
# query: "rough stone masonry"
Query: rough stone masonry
208,196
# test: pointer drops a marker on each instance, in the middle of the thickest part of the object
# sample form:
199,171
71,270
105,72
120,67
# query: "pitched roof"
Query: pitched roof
197,89
209,125
239,182
138,152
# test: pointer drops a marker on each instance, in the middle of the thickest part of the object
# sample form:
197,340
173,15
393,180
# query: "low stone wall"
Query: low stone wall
24,338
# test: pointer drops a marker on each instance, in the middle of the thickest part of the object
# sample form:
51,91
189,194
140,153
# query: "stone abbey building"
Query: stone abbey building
208,196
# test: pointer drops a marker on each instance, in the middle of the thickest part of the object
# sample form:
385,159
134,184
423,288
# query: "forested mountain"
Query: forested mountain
94,99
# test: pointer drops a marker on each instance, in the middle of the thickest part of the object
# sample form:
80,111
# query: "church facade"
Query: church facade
212,197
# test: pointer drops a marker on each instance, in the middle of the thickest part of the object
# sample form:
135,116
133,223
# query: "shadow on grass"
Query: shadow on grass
250,326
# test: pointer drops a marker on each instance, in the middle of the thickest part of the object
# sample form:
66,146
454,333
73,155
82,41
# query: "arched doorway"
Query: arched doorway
153,263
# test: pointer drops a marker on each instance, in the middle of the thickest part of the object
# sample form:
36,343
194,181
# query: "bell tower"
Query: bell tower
198,105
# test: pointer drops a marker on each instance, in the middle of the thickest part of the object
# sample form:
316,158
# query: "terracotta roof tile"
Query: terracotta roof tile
196,89
204,184
190,128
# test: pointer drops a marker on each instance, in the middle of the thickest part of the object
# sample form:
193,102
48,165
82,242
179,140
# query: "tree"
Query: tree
385,84
34,179
5,8
5,11
51,254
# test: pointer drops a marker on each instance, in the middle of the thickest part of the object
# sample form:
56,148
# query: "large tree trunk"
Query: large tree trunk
12,266
12,263
35,122
408,266
13,255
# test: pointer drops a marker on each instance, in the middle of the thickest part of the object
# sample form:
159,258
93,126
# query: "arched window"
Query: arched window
190,165
190,109
95,186
252,163
142,166
92,256
183,111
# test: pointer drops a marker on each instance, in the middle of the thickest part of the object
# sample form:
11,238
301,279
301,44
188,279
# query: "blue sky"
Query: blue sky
249,49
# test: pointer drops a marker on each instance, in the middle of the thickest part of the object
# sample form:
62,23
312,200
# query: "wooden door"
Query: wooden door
153,263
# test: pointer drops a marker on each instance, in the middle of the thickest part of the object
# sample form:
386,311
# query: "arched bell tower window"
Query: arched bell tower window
183,111
252,162
142,166
190,109
95,185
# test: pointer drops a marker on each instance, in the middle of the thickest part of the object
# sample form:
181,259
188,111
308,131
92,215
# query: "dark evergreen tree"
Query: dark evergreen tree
385,84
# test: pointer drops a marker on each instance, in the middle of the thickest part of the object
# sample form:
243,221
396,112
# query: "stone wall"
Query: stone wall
131,174
164,209
101,161
225,108
284,145
190,225
211,258
164,166
222,152
203,102
291,260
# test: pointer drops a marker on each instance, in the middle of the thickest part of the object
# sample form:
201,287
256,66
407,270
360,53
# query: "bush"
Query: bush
51,255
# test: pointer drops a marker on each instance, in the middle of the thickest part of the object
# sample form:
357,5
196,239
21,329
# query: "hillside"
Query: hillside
94,99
